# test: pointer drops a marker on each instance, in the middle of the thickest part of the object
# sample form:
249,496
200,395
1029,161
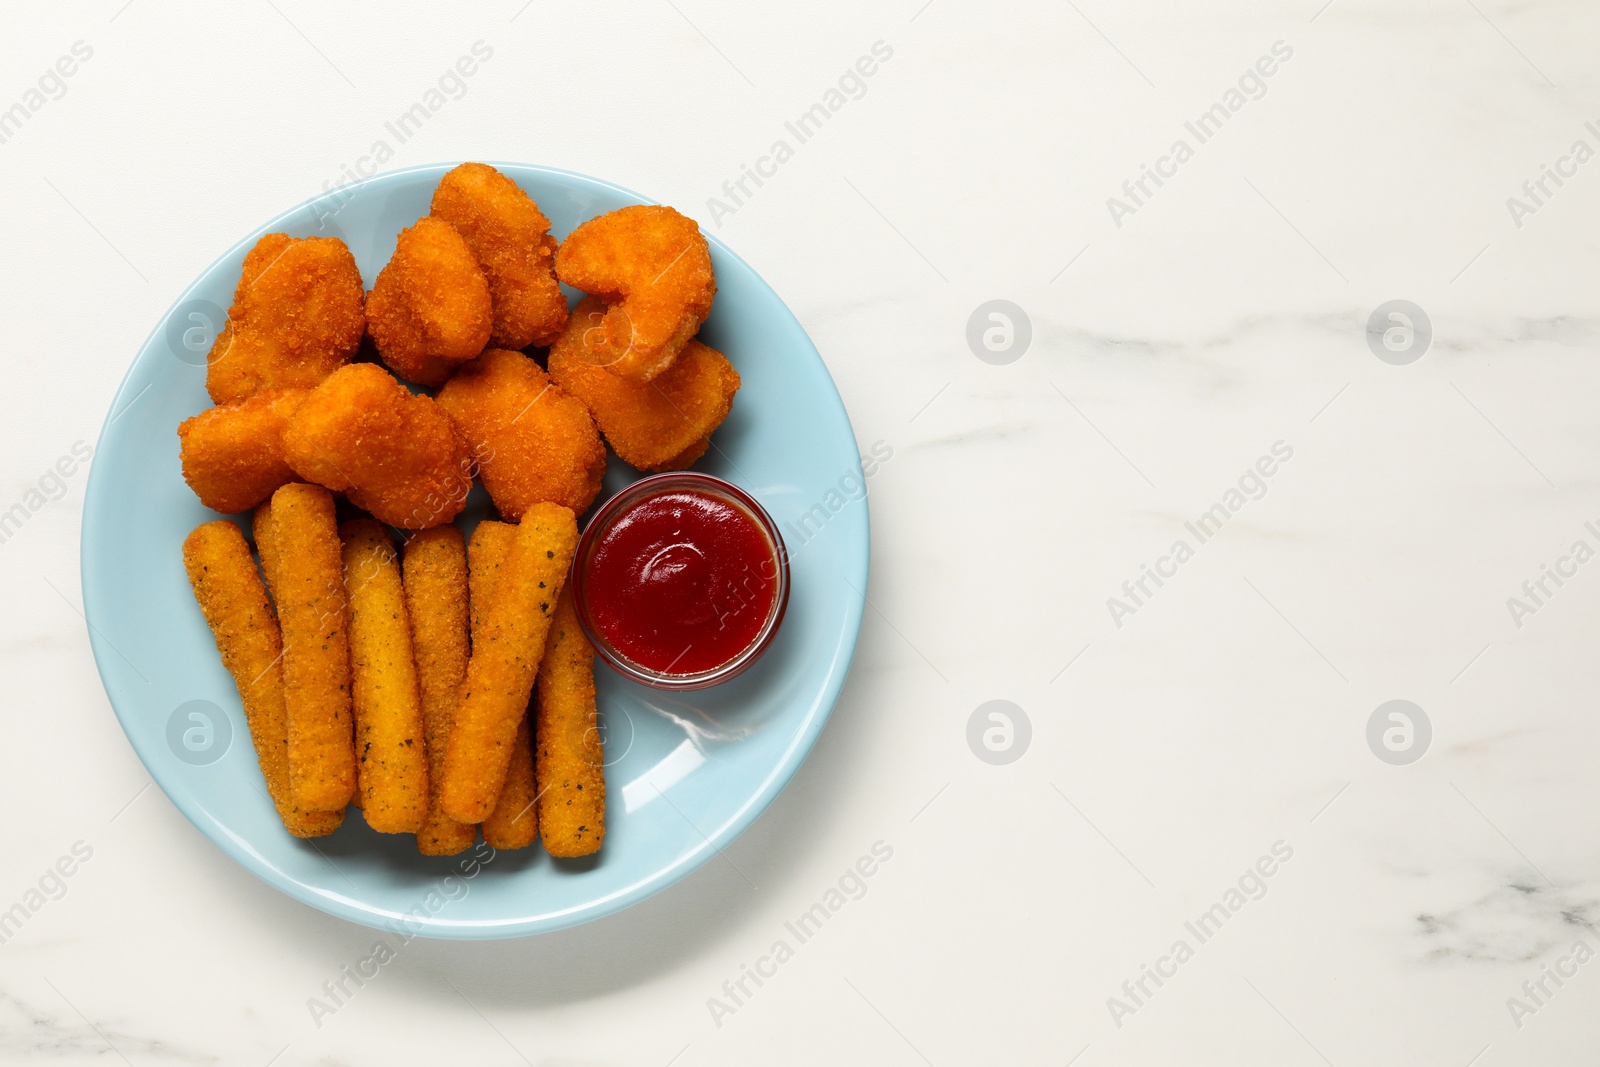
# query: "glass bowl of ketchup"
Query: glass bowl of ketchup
680,581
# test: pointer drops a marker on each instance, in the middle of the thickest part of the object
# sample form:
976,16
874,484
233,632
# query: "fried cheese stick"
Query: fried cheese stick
569,771
235,606
501,670
434,564
308,578
391,753
514,822
266,546
261,530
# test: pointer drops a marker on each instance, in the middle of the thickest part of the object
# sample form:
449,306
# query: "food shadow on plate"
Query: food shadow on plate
357,847
726,440
705,914
724,713
577,864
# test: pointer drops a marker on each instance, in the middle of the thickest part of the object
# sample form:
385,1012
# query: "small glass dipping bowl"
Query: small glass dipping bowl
588,584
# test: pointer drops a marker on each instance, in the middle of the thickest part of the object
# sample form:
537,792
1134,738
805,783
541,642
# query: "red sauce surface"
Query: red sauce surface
681,582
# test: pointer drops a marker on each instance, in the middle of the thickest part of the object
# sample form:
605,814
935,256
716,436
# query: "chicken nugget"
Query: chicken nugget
511,239
391,753
653,266
430,307
664,424
235,606
569,771
392,453
501,671
296,318
686,459
308,578
533,442
514,822
232,455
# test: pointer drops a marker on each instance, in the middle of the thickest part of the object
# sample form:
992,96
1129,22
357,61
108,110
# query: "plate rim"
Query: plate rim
352,909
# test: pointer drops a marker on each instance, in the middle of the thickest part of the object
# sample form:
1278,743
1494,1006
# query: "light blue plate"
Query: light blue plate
685,774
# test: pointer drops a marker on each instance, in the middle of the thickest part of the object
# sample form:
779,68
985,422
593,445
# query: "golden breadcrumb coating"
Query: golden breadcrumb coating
392,453
232,455
653,266
266,547
534,442
391,751
307,573
514,822
235,606
569,769
486,554
296,318
511,239
435,572
430,307
494,698
664,424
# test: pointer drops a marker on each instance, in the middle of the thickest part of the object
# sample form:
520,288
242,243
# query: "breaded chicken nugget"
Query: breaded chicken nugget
569,773
396,455
430,307
654,267
235,606
686,459
296,318
232,455
664,424
511,239
534,442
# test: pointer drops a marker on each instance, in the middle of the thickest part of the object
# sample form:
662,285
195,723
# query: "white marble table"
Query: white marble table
1197,797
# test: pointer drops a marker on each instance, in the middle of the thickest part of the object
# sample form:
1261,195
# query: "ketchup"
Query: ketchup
681,582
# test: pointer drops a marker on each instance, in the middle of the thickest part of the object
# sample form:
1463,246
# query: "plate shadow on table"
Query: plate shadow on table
706,912
788,439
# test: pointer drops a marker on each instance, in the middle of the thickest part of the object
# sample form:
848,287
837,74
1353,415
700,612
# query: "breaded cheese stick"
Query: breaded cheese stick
266,548
434,563
309,582
486,554
391,749
501,670
514,822
569,771
235,607
261,530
